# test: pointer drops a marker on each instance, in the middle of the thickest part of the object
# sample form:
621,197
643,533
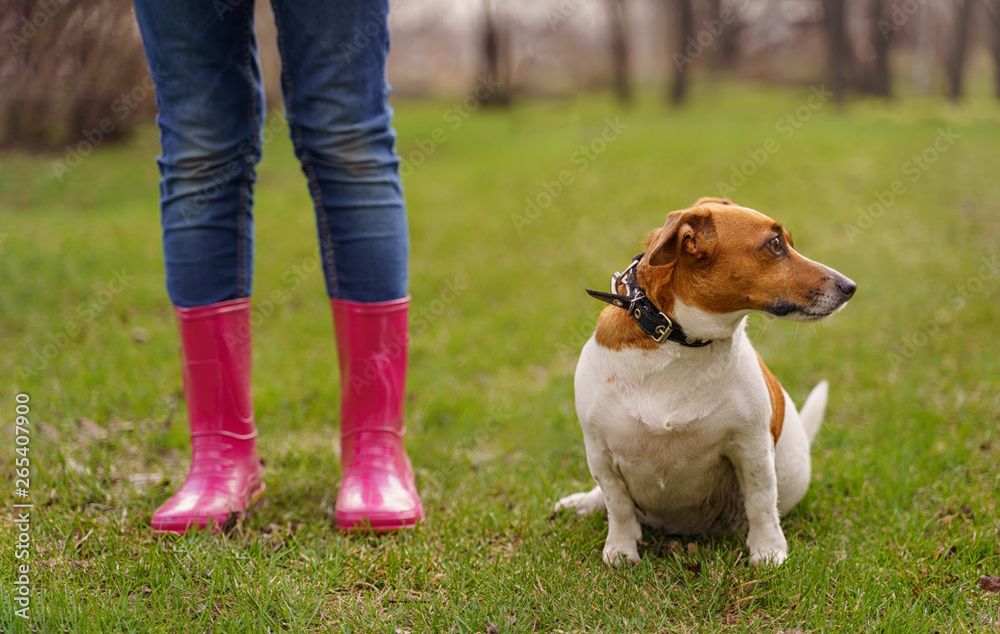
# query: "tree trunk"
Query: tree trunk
995,44
838,51
492,62
685,33
923,57
880,39
725,26
619,50
955,64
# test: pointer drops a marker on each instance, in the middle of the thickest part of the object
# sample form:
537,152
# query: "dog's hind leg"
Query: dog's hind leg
584,502
792,463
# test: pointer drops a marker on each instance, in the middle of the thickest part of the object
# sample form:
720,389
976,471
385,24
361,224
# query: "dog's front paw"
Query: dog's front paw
770,550
623,541
768,558
615,554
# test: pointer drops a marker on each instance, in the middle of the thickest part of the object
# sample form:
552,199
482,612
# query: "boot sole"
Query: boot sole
364,523
216,526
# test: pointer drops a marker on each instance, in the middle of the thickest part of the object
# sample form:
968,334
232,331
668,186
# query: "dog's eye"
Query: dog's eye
775,245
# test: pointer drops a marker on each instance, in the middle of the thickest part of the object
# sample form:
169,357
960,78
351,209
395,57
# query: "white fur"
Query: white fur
679,438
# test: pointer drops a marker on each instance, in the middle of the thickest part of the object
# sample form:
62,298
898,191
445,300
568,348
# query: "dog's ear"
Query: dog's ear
689,233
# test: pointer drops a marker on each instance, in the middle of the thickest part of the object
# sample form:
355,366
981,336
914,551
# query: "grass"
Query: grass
898,525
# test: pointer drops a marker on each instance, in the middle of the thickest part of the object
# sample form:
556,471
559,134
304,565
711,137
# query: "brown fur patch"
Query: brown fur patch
709,199
777,400
616,330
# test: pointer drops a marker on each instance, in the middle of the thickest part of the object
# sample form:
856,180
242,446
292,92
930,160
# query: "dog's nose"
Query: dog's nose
847,287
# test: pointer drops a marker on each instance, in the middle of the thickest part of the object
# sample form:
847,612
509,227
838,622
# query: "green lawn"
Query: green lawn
898,526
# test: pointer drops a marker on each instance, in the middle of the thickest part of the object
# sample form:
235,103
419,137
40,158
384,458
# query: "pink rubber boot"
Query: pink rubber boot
377,490
225,473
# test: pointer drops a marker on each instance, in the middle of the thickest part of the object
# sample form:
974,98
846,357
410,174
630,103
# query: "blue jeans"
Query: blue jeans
203,59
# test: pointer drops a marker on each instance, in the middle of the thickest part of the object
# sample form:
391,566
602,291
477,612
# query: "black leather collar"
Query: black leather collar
649,318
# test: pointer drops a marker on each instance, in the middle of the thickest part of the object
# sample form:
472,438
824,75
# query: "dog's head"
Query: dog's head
719,259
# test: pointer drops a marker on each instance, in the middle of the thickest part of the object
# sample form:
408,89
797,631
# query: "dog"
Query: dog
685,428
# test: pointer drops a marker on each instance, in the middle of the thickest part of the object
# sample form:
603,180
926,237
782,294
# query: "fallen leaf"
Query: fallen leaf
990,584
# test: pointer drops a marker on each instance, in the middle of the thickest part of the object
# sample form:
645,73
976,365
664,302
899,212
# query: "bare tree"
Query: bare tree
880,37
684,25
994,9
494,37
838,47
923,56
957,50
725,22
619,50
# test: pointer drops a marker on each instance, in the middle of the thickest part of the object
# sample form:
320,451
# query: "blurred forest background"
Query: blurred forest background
73,71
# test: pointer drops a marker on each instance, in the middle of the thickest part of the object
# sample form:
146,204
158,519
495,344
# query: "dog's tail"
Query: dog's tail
812,412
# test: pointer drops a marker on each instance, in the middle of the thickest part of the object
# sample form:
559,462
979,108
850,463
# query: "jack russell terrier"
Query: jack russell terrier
685,428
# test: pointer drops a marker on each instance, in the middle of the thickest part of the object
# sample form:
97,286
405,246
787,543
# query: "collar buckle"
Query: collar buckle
663,331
